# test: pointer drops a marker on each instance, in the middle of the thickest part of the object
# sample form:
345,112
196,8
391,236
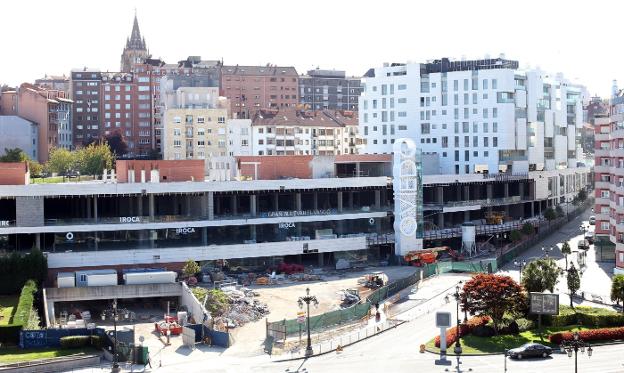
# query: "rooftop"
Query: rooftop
259,70
294,117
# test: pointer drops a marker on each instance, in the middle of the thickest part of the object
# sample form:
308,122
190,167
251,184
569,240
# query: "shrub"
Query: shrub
484,331
515,236
512,328
25,303
525,324
606,334
466,328
97,342
528,229
74,341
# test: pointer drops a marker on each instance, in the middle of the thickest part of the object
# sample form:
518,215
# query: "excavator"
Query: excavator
418,258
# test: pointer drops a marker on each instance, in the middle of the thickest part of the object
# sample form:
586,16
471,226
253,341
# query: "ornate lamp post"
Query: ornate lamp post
520,264
458,348
545,251
307,299
574,346
115,368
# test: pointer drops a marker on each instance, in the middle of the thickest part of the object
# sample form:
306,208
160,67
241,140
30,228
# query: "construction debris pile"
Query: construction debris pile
243,308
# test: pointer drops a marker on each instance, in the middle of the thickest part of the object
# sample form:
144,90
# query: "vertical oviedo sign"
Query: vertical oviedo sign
405,174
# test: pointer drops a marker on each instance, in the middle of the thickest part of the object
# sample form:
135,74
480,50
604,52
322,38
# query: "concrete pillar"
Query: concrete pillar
466,216
506,188
210,205
351,200
38,241
532,209
204,233
466,193
88,203
440,222
377,199
234,204
253,232
298,201
140,205
151,206
357,169
95,208
217,205
490,191
276,202
339,201
521,188
321,260
439,195
253,205
188,205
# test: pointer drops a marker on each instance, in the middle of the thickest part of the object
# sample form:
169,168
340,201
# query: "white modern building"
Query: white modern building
239,137
479,116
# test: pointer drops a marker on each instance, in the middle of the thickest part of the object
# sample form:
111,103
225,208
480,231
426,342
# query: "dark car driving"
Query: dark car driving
530,350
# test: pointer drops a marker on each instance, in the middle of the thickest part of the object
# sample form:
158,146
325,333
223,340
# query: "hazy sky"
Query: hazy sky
578,38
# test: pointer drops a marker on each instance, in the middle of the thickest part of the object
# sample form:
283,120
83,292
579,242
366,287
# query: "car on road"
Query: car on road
592,220
530,350
589,237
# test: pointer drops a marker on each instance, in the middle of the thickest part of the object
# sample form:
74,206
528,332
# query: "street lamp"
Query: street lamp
575,345
468,300
307,299
115,368
458,348
545,251
521,265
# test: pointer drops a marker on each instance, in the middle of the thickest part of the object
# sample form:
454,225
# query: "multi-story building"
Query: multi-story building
595,108
239,137
55,82
49,109
251,88
329,89
609,180
483,116
194,123
16,132
299,132
135,51
86,92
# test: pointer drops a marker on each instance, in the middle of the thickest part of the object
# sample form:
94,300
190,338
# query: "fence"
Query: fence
52,337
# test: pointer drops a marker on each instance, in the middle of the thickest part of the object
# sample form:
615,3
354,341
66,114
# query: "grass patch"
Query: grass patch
499,343
8,303
16,354
59,179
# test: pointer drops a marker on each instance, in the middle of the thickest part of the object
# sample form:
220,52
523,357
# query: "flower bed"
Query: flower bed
466,328
606,334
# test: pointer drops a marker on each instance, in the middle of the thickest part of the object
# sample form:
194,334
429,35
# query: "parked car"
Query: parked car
589,237
592,220
530,350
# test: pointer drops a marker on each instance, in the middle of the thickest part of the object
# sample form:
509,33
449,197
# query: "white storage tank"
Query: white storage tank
65,280
96,277
469,235
142,278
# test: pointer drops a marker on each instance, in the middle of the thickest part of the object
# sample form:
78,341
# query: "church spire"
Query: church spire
136,41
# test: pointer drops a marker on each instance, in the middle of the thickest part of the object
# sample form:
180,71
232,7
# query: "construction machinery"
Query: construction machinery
495,217
419,258
375,280
349,297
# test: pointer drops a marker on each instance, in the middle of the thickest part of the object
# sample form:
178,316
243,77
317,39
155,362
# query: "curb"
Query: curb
555,350
329,351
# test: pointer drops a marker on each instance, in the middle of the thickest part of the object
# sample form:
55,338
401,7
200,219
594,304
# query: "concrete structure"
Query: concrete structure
251,88
609,179
296,132
482,116
14,173
16,132
49,109
135,51
194,125
329,89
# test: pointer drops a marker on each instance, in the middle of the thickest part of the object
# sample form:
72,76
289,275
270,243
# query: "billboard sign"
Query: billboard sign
544,303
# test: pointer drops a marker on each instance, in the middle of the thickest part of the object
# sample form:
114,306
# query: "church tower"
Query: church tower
135,50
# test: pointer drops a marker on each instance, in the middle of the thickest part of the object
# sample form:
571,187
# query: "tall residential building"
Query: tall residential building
135,51
595,108
251,88
329,89
297,132
609,177
57,82
480,116
86,92
194,124
49,109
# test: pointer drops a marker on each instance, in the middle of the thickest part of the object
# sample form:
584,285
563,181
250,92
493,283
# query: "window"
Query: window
402,114
455,85
177,132
465,84
486,142
425,128
604,225
466,155
456,155
466,141
402,87
485,84
201,120
465,127
475,141
445,141
486,154
485,113
402,100
457,141
494,127
494,141
494,113
494,84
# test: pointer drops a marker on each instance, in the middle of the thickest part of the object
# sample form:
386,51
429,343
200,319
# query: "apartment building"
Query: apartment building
299,132
194,123
609,179
251,88
479,116
329,89
86,94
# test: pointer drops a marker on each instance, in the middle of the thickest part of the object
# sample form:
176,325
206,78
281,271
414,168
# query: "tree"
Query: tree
574,281
559,211
492,295
61,161
550,214
36,169
191,268
528,229
117,144
565,250
13,155
540,275
582,195
515,236
93,159
617,289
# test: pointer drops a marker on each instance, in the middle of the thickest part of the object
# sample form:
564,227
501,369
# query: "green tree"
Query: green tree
617,289
540,275
566,250
36,169
61,161
515,236
528,229
492,295
582,195
574,281
191,268
13,155
559,211
550,214
94,158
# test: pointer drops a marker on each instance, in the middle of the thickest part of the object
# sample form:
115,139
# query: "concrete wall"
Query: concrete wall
182,170
14,173
276,167
194,306
29,211
57,365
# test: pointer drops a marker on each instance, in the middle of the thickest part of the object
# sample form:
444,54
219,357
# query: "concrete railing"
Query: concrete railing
60,364
113,291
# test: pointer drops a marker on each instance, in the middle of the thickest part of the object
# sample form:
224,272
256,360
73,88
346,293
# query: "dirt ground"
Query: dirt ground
282,302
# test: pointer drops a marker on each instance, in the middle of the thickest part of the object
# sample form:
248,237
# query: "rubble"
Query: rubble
243,308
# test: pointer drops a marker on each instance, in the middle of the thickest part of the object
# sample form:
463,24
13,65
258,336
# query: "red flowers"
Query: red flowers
605,334
466,328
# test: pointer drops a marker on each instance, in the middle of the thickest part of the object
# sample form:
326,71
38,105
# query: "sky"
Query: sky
577,38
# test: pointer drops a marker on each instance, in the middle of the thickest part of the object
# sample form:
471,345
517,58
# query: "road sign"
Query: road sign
544,304
443,319
301,317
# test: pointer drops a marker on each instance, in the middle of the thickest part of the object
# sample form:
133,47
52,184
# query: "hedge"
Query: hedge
466,328
10,332
605,334
75,341
586,316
